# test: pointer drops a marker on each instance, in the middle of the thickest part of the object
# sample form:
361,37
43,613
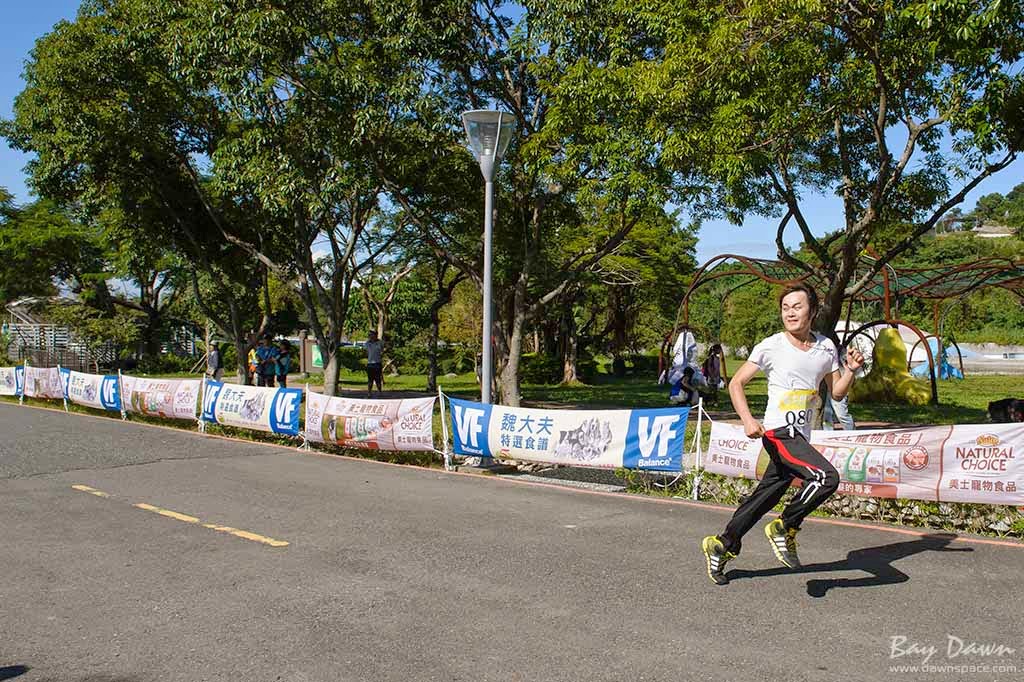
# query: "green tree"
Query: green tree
898,107
1006,210
112,130
568,162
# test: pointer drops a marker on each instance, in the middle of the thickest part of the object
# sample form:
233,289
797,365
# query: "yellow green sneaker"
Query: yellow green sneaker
783,542
717,557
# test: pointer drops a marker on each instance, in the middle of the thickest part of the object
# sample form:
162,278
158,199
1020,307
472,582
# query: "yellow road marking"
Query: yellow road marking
168,513
91,491
191,519
247,535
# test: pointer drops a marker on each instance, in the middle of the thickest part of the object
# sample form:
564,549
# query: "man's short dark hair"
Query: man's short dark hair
812,296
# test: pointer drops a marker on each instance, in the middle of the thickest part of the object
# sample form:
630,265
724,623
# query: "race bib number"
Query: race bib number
799,406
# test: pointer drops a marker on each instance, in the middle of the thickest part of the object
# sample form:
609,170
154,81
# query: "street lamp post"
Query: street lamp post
489,133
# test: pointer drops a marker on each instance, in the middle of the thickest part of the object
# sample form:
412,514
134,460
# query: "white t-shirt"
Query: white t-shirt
793,379
374,352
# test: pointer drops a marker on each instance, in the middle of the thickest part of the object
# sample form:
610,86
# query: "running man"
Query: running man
795,362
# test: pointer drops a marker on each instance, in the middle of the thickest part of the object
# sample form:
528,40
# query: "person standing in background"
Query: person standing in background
214,363
374,363
254,365
266,362
284,362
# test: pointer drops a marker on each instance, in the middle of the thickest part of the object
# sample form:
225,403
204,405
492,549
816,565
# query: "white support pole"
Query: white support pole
305,443
444,431
63,389
120,394
698,463
24,380
202,405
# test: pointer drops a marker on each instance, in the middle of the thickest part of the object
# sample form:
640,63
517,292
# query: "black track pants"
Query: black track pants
791,456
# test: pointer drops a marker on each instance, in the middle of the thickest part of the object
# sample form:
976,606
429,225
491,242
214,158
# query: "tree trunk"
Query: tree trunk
570,349
435,332
242,370
508,378
332,369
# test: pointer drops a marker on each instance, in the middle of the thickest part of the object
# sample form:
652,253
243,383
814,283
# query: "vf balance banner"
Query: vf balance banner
402,425
11,380
635,439
978,463
43,382
252,407
92,390
168,398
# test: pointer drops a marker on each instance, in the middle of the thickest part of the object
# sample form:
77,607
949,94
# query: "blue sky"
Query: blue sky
23,24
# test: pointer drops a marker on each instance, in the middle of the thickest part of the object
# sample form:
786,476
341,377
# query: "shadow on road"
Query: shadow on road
12,671
874,560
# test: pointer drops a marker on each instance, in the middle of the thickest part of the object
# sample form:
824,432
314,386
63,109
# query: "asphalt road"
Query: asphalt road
396,573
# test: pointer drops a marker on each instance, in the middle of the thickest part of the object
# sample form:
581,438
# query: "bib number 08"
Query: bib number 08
797,417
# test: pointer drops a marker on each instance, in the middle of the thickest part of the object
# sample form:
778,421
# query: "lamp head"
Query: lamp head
489,133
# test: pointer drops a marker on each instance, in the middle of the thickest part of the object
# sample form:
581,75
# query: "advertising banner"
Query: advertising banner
635,439
43,382
92,390
168,398
253,407
982,463
10,380
405,424
962,463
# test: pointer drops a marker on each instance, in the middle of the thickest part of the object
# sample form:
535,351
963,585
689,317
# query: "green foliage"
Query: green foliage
749,315
996,209
352,358
42,246
94,329
540,368
5,342
166,363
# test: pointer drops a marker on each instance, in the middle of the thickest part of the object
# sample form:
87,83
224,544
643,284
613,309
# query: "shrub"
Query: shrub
166,363
537,368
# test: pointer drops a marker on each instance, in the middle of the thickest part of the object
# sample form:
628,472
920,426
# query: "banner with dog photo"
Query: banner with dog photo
403,425
92,390
10,380
978,463
635,439
43,382
167,398
252,407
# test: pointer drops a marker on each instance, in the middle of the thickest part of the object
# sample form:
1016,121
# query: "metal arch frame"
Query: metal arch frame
898,323
987,268
679,329
699,281
938,339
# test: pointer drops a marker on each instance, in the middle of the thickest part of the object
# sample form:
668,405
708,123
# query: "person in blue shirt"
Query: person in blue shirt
266,362
284,362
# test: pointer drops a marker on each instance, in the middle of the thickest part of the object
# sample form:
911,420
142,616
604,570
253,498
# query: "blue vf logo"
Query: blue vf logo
470,422
656,439
110,395
213,389
284,411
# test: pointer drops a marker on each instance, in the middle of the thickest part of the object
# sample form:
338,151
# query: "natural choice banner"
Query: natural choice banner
10,380
401,425
635,439
92,390
253,407
43,382
977,463
168,398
